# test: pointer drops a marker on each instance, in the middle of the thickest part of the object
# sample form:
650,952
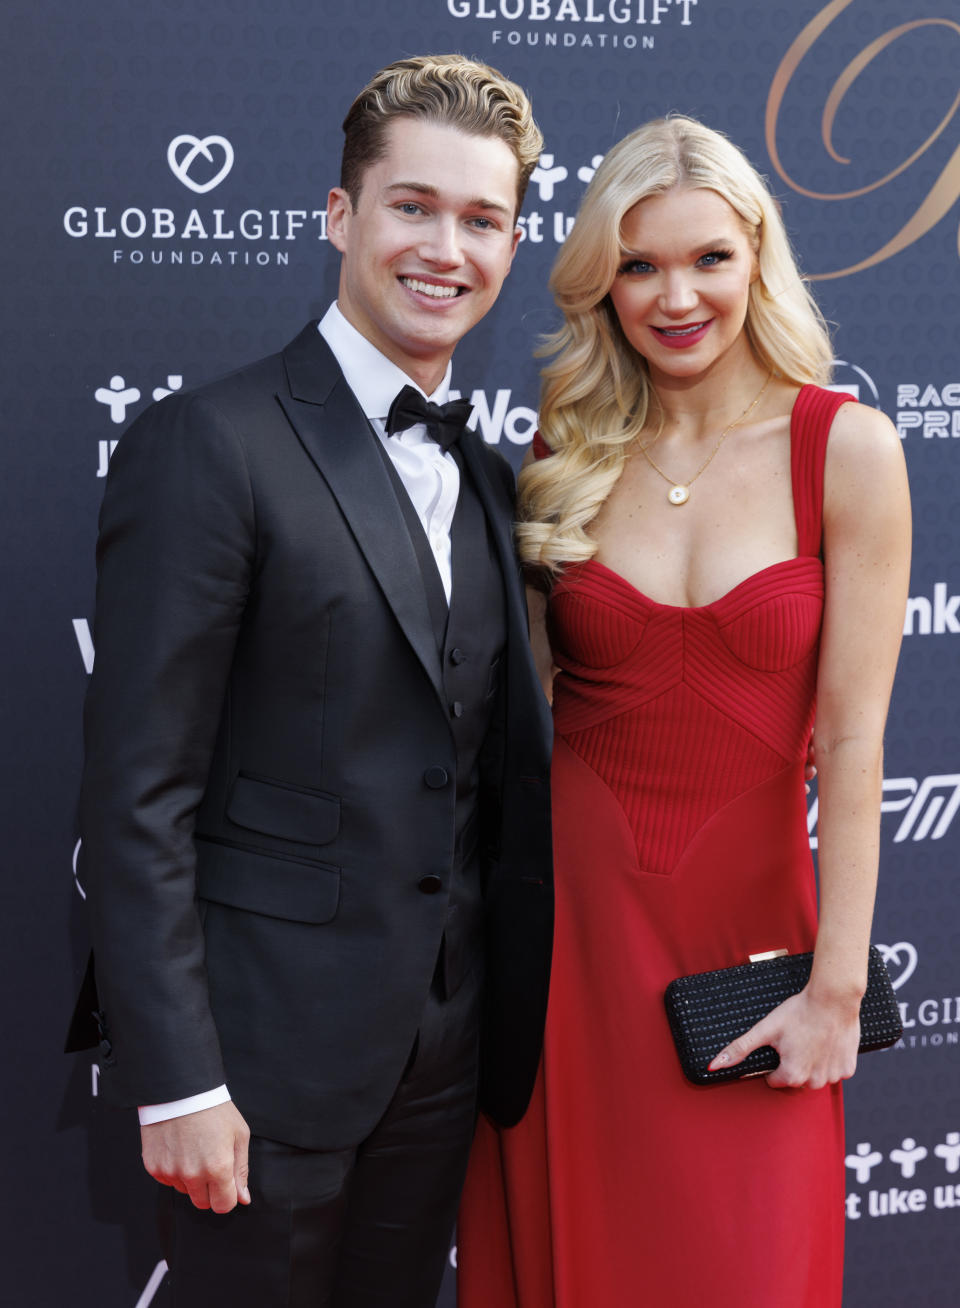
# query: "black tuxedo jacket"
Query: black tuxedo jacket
270,768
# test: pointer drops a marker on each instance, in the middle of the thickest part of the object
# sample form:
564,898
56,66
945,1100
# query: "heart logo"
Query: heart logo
181,161
901,955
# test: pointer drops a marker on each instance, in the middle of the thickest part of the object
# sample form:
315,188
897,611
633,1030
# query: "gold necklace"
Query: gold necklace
679,492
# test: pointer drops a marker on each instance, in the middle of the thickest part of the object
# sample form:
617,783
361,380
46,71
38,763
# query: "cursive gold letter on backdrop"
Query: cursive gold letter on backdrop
946,189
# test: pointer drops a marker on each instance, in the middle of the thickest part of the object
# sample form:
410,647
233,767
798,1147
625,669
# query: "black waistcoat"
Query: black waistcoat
470,638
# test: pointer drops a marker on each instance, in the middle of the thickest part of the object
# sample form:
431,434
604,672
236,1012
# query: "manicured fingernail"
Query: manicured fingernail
718,1062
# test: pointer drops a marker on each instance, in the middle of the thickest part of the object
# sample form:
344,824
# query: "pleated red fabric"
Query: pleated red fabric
680,845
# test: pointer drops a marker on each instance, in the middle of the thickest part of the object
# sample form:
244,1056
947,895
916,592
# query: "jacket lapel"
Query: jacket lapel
334,431
530,717
499,510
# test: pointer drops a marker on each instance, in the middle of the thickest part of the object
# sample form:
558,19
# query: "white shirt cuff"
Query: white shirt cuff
150,1113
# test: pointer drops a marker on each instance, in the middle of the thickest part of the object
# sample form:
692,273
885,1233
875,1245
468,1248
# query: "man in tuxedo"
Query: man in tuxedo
315,813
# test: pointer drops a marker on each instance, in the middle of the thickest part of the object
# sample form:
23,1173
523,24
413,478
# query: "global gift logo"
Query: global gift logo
902,956
182,160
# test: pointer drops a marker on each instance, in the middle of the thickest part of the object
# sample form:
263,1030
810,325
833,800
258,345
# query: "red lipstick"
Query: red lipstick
681,338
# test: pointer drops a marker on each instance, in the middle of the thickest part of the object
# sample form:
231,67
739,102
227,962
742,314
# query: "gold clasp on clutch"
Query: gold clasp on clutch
770,953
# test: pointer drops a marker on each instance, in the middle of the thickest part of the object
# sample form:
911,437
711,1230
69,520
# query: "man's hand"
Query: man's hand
203,1155
810,768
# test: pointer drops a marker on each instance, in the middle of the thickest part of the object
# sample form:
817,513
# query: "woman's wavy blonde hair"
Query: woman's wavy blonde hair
596,393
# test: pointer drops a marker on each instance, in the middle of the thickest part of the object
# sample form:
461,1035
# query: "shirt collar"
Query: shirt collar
374,379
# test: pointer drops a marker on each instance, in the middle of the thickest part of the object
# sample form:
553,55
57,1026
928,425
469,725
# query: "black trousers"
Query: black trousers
368,1227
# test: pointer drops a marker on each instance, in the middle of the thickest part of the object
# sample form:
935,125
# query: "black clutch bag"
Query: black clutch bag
709,1009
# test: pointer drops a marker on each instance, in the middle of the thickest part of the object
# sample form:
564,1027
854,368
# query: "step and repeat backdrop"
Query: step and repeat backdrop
167,167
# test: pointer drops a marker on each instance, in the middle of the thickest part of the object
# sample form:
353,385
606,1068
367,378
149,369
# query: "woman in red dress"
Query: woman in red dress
726,544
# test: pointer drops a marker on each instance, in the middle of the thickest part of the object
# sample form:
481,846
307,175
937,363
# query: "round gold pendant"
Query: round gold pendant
678,494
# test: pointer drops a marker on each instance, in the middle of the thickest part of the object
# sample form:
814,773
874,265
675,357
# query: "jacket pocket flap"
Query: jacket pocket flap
264,883
289,812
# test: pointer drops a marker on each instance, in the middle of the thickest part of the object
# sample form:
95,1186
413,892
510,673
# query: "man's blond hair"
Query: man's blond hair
451,90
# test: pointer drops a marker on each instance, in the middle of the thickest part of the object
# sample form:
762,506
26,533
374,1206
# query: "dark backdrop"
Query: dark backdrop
132,263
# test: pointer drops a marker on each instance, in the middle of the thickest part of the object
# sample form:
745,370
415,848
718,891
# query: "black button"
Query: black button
430,884
457,656
436,778
456,709
106,1048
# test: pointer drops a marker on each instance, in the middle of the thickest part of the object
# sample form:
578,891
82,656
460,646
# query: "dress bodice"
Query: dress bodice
681,709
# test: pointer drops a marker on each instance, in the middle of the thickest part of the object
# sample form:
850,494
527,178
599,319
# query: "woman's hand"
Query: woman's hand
817,1042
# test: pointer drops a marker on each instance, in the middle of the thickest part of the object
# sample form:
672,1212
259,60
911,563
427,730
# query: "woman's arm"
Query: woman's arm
866,519
867,554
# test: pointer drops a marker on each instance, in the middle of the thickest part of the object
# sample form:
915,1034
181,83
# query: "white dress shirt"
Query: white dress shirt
431,477
432,480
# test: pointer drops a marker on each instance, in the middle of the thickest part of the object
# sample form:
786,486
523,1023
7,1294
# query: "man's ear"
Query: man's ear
517,238
339,212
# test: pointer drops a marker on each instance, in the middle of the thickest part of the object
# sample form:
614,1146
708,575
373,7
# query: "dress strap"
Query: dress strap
810,422
541,450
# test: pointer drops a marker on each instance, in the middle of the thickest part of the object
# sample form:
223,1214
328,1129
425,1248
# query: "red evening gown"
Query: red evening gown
681,845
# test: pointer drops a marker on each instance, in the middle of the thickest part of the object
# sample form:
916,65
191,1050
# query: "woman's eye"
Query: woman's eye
633,267
714,258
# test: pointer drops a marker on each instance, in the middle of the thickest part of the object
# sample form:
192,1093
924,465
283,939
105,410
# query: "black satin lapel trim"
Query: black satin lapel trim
338,439
529,718
312,371
499,510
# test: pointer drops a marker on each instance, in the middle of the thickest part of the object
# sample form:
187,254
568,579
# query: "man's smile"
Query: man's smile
437,290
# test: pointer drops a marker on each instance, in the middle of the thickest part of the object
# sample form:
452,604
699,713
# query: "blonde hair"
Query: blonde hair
596,393
447,89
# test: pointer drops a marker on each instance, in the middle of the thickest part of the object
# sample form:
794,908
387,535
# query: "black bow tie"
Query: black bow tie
444,422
